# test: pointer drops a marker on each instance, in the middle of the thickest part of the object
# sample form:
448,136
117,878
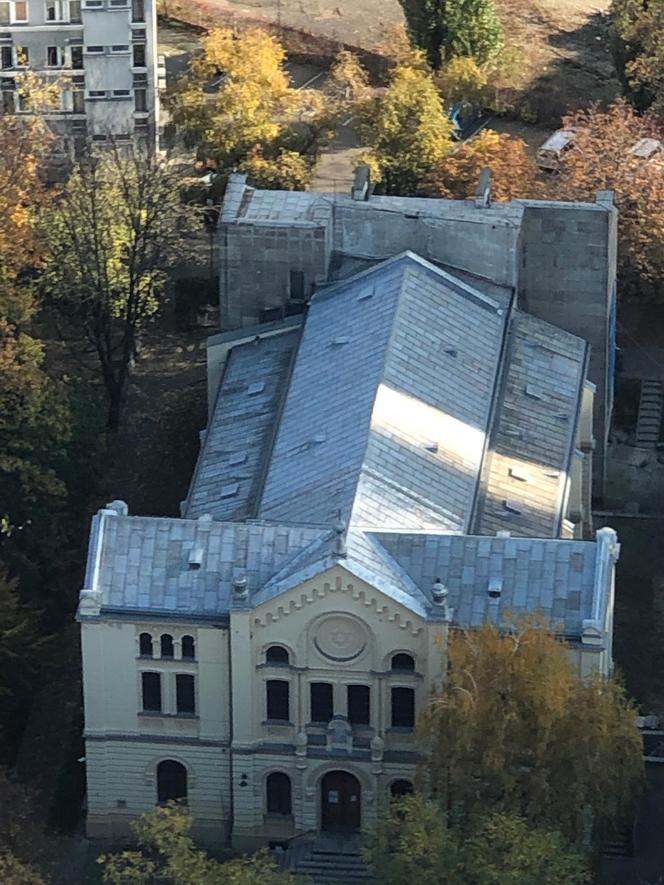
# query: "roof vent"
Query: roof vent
511,507
495,588
253,389
519,473
534,392
439,592
451,351
205,518
319,438
431,445
365,296
230,490
503,533
195,557
240,584
339,340
237,458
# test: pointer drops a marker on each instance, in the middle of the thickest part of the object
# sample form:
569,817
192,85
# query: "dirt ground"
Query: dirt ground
564,60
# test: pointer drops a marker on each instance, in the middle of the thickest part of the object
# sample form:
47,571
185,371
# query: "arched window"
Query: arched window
278,793
166,645
145,645
188,647
276,654
402,661
171,782
400,788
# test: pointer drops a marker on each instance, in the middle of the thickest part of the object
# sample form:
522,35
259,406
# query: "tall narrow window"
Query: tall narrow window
75,11
4,13
6,57
278,793
140,100
77,57
138,10
151,683
171,781
403,708
166,646
297,285
78,101
185,694
359,704
322,706
139,55
145,645
188,647
277,700
20,11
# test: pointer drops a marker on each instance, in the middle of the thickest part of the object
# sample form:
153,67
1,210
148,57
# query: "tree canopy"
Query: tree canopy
516,731
638,48
414,843
445,29
406,130
167,853
239,109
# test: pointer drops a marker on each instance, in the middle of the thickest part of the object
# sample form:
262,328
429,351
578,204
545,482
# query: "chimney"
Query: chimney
361,188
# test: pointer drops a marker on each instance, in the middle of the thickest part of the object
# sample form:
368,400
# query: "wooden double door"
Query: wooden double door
341,802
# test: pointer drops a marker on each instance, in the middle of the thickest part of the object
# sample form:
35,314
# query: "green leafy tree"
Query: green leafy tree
638,50
406,131
444,29
239,110
414,843
516,731
168,854
111,236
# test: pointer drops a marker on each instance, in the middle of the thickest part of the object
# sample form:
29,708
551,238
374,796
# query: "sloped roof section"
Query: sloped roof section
389,403
185,567
532,442
228,475
525,575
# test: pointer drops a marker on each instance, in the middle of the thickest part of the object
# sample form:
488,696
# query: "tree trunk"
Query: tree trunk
116,399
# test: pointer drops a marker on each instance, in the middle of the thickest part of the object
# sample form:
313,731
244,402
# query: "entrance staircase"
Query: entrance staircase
329,859
650,414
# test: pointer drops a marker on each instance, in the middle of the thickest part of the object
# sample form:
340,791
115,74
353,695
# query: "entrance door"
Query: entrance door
341,797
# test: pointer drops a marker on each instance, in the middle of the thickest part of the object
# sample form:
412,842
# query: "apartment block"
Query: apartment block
101,52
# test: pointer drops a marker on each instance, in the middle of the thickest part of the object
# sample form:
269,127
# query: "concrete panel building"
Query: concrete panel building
558,259
410,458
103,52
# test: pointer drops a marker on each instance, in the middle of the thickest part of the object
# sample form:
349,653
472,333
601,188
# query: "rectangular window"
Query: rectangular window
22,56
297,285
55,56
140,100
20,11
139,55
66,101
6,57
403,708
121,93
359,704
184,694
138,10
322,705
277,700
75,11
151,684
77,57
56,10
97,93
120,47
93,4
94,50
78,101
8,106
4,13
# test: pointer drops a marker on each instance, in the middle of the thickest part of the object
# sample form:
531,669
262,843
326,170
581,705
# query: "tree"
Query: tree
602,159
516,731
462,81
445,29
414,843
168,854
237,105
514,173
111,236
28,853
638,49
406,130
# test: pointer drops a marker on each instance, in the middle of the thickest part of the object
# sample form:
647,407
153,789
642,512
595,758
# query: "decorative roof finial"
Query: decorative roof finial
340,549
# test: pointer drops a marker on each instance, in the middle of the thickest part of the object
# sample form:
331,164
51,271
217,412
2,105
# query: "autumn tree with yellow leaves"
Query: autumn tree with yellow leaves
238,108
516,731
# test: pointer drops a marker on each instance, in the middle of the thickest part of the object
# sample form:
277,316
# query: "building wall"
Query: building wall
567,277
255,264
110,71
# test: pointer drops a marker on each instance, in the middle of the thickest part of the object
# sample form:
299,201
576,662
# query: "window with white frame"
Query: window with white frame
6,57
13,12
57,10
55,56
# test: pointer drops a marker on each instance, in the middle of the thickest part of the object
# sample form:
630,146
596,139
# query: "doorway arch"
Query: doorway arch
341,802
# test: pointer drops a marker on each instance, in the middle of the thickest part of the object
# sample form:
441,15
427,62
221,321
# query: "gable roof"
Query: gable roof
388,407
